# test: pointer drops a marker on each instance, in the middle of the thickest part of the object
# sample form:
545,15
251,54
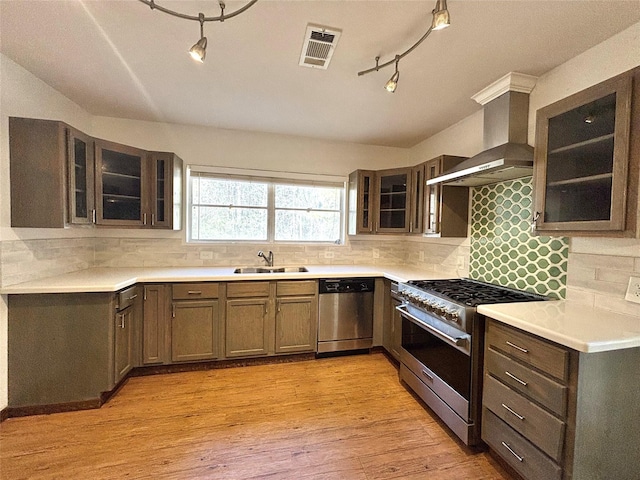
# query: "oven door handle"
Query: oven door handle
457,341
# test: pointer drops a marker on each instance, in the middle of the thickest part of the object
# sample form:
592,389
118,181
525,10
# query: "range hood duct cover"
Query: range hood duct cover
506,154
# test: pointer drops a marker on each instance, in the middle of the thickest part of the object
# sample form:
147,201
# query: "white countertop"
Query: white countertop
114,279
572,324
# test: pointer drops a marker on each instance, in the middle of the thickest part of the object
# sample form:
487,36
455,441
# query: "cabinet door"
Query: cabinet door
120,184
432,198
582,160
165,182
393,200
296,324
80,163
123,342
416,223
194,330
154,339
396,329
361,202
246,327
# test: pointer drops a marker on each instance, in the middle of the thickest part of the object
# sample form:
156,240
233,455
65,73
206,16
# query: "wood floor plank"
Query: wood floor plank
345,418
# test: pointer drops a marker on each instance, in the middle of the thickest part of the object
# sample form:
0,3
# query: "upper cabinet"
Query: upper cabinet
393,200
361,193
586,163
60,177
446,208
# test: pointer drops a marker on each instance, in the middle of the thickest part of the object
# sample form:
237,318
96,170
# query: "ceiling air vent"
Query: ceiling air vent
318,47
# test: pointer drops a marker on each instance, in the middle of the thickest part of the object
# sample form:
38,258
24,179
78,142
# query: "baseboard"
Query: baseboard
13,412
4,414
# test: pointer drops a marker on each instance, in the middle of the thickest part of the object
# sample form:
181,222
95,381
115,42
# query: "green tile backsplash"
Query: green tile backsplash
503,250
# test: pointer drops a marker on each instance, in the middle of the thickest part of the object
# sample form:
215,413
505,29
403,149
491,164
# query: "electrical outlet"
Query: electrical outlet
328,254
633,290
206,255
376,253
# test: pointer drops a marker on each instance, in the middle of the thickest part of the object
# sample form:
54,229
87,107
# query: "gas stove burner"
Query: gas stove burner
473,292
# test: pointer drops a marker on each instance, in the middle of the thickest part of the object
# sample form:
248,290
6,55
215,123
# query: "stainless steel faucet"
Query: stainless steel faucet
267,258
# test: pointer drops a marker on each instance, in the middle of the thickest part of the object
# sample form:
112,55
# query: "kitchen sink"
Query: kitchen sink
270,270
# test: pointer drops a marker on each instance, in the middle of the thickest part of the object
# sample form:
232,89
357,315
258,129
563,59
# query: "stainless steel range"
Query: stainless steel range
442,346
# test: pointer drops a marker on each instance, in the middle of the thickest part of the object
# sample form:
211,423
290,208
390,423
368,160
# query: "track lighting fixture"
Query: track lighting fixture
440,20
393,81
199,50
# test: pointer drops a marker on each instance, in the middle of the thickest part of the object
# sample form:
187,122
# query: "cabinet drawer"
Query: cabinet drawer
247,289
192,291
549,358
544,390
126,297
526,459
304,287
540,427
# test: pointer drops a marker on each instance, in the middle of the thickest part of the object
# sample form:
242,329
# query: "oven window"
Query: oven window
447,362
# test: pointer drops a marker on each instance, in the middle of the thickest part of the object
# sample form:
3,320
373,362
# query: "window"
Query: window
232,208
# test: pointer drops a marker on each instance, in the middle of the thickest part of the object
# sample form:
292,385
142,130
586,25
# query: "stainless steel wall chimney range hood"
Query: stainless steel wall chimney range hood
506,154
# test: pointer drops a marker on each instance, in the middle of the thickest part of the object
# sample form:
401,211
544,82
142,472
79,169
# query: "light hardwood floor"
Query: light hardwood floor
333,418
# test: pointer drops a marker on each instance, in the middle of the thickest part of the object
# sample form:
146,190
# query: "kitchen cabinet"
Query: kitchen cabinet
361,202
195,322
248,322
392,329
554,413
416,222
51,170
586,180
125,324
296,316
69,348
61,176
155,328
393,200
446,207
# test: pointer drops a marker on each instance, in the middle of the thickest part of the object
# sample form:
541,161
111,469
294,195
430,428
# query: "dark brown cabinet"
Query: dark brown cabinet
392,328
416,221
446,208
361,202
584,177
61,176
155,327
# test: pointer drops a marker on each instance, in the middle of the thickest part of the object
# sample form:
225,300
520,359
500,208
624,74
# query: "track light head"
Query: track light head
199,50
392,84
440,16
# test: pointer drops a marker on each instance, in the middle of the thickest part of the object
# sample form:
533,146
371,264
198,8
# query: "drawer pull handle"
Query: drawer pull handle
513,412
505,445
429,377
523,350
133,296
512,376
194,292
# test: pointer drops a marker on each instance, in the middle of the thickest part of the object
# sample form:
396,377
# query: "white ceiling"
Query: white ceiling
119,58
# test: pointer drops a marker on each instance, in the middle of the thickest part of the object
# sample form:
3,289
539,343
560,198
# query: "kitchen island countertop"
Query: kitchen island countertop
569,323
114,279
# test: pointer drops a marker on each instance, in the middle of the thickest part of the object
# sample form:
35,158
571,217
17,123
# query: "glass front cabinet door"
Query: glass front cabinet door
582,161
361,193
165,171
119,184
81,177
394,200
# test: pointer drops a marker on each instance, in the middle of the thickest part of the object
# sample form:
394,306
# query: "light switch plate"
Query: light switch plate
633,290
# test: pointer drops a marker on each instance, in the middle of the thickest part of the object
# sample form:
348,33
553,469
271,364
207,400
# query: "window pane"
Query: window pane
307,226
224,223
218,191
307,196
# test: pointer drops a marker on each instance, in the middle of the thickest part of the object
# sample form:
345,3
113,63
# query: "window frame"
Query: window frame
271,178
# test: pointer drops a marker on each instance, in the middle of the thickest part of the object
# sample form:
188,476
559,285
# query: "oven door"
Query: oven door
440,359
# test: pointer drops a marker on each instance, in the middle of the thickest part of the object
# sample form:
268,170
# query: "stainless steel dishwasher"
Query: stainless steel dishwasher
345,314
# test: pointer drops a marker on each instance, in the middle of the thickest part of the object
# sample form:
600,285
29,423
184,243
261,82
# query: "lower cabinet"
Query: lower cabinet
195,322
296,316
392,331
554,413
66,348
155,324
